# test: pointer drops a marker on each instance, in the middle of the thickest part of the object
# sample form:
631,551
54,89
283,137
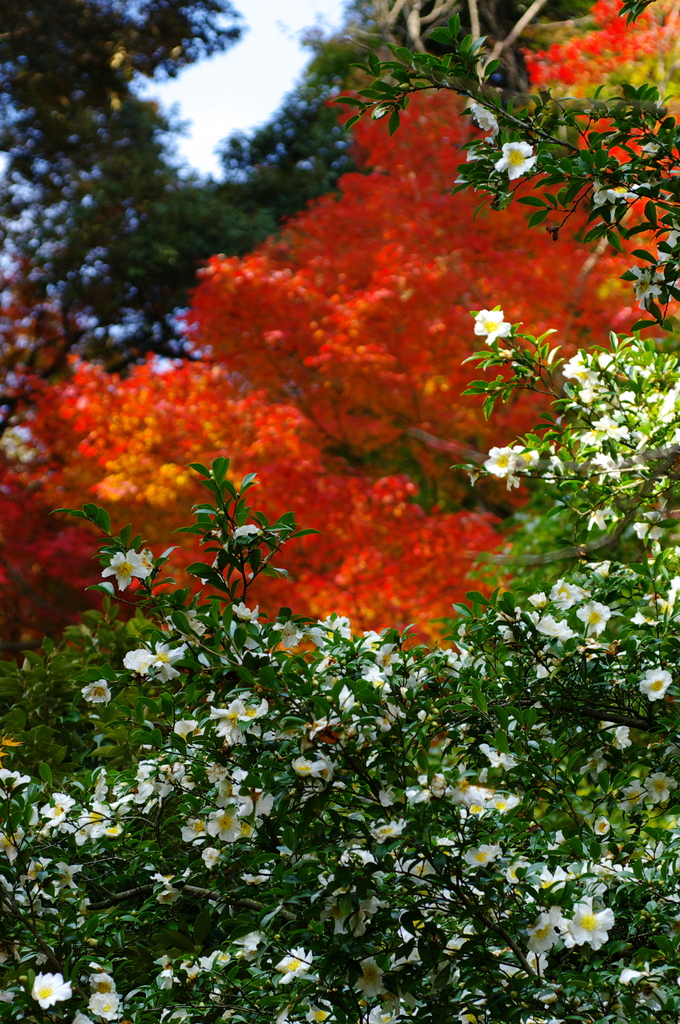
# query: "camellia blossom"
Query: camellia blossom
246,614
622,737
238,711
388,830
518,158
550,626
104,1004
605,194
97,693
647,285
49,989
576,369
482,855
565,595
126,567
595,616
589,926
370,980
297,963
654,683
498,758
484,118
164,659
632,795
246,532
544,932
658,787
507,462
186,726
490,323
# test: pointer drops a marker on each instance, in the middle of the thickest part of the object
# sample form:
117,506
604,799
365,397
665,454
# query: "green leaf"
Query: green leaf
538,217
45,773
202,927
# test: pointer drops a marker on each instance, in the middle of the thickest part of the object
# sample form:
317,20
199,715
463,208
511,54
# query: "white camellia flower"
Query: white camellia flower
291,634
194,831
632,795
186,726
550,627
504,803
595,617
484,118
388,830
246,614
67,873
57,814
482,855
658,787
610,428
138,660
238,711
126,567
518,158
49,989
317,1016
246,532
497,758
648,284
598,517
604,194
384,1014
296,964
589,926
322,768
576,369
163,661
97,693
224,823
601,826
249,944
210,856
565,595
622,737
654,683
370,980
507,462
102,982
544,932
489,323
595,763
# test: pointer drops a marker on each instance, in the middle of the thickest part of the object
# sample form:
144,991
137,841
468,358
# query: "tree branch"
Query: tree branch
614,716
188,890
503,44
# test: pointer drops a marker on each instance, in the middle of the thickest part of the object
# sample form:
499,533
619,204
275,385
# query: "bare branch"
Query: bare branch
503,44
447,446
614,716
474,19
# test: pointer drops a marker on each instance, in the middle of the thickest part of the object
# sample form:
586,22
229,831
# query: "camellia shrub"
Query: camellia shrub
280,820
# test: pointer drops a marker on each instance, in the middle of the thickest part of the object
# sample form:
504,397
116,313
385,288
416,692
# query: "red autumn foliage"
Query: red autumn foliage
333,361
612,52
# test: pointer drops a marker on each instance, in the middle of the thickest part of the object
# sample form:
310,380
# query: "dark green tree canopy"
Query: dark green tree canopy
302,150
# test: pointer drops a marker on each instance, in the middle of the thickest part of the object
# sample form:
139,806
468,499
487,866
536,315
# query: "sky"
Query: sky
244,86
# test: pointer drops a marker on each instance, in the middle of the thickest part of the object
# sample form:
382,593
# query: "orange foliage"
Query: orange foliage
645,51
331,356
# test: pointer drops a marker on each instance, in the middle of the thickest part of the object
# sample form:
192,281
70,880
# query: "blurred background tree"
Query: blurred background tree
104,231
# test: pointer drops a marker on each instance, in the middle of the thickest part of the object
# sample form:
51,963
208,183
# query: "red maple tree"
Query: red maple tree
333,365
